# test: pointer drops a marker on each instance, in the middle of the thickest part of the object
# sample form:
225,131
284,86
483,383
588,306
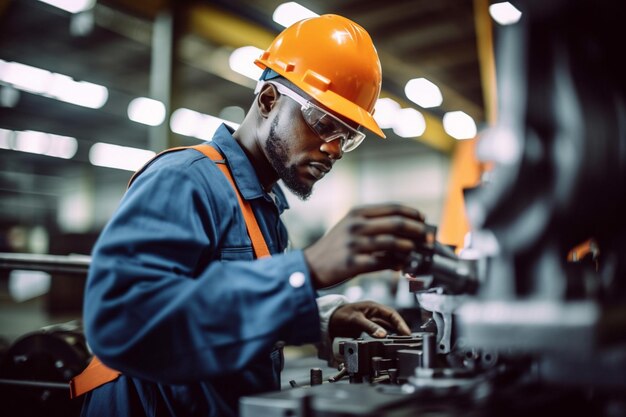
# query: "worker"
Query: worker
189,298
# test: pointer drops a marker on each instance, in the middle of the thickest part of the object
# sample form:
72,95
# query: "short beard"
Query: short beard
277,152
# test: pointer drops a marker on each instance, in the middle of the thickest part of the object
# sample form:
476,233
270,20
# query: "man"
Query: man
176,300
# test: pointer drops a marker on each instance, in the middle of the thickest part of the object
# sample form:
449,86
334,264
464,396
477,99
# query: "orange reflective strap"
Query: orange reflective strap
258,242
96,373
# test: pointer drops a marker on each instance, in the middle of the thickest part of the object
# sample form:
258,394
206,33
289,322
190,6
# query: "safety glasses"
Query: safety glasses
327,126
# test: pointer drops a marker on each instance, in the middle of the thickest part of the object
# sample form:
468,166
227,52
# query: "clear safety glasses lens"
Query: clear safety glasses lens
327,126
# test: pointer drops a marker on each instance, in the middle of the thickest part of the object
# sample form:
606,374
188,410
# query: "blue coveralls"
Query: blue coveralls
174,300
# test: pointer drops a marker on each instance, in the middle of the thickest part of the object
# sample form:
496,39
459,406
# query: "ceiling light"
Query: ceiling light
83,93
192,123
208,126
409,123
72,6
147,111
505,13
25,77
289,13
119,157
49,84
241,60
44,144
385,112
32,142
423,92
185,122
24,284
62,146
6,137
459,125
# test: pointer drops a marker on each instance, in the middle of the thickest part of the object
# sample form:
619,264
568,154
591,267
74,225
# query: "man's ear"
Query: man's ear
266,99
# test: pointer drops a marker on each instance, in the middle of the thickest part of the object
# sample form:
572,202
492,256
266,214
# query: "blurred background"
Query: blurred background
89,90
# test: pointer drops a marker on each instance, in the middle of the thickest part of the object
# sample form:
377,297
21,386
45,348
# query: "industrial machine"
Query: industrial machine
524,324
35,369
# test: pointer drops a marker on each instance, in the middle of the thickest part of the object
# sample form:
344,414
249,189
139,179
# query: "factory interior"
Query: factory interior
505,126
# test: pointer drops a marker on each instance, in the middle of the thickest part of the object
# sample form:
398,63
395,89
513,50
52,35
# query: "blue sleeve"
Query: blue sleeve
161,306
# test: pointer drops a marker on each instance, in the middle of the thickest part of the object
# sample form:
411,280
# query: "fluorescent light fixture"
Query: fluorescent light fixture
25,77
44,144
57,86
209,125
32,142
423,92
289,13
147,111
459,125
241,60
505,13
119,157
185,122
385,112
62,146
409,123
192,123
72,6
24,285
83,93
6,137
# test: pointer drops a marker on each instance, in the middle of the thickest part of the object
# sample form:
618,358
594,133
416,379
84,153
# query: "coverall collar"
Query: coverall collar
242,170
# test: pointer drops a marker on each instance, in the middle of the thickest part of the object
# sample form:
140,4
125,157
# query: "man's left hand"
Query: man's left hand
350,320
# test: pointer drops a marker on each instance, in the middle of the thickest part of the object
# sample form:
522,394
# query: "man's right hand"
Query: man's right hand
370,238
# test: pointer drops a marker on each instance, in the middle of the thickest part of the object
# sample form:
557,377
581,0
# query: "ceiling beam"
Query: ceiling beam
486,59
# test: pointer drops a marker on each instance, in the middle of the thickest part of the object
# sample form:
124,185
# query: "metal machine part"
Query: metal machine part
437,266
36,370
441,306
72,264
521,329
368,360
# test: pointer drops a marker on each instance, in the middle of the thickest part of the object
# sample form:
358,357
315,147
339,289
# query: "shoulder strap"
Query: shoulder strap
94,375
258,242
97,373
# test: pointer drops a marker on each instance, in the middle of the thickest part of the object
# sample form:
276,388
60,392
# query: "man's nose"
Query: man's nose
332,149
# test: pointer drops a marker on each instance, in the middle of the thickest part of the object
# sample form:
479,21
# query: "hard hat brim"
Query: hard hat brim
332,101
346,108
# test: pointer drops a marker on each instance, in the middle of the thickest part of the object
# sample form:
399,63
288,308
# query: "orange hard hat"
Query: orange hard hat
333,60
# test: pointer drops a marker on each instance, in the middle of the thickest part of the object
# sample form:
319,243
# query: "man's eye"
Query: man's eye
324,127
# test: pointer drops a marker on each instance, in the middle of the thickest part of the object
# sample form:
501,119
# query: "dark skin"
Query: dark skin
282,146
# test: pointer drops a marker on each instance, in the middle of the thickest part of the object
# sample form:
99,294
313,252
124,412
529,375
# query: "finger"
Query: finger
369,262
377,210
394,318
382,322
390,225
369,326
381,243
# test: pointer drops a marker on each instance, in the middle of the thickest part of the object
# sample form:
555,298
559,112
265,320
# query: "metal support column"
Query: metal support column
161,75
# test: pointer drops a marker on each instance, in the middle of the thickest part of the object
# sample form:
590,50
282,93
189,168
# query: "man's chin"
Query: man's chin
302,195
301,190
